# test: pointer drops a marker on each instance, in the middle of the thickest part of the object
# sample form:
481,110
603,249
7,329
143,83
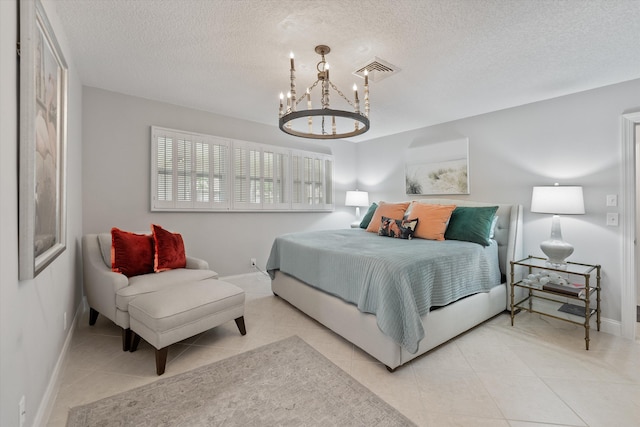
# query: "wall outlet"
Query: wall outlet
22,407
253,262
64,321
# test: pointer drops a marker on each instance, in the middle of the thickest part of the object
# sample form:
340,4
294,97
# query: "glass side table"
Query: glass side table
548,288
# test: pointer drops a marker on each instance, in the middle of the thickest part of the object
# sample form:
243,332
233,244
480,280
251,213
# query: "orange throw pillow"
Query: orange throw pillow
432,220
390,210
131,253
169,250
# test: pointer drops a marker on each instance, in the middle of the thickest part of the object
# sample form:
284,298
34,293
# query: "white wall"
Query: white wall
116,177
31,311
571,140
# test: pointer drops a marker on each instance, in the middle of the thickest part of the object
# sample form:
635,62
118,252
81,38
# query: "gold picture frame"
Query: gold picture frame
42,142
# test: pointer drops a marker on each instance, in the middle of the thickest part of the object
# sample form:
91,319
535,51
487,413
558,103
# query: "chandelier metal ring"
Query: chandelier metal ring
325,112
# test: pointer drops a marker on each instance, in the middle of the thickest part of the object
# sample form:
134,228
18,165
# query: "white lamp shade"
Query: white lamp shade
357,198
557,200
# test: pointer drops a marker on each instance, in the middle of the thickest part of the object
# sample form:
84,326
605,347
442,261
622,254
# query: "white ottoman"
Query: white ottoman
165,317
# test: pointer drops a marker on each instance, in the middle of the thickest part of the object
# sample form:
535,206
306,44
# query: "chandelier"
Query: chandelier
331,123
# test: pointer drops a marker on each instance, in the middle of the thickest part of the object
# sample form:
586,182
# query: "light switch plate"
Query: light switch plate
612,219
612,200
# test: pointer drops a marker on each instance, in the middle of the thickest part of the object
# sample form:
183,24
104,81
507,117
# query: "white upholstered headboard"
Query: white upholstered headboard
508,232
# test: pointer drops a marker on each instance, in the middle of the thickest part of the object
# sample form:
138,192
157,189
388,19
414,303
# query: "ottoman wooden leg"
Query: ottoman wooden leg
161,360
240,324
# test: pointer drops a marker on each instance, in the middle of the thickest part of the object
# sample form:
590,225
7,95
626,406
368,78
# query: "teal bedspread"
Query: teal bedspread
397,280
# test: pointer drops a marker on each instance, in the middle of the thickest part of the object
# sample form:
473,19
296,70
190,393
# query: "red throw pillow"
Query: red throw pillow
169,250
131,253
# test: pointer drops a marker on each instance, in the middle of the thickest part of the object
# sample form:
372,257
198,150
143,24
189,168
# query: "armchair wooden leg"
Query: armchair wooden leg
240,324
135,340
126,339
93,316
161,360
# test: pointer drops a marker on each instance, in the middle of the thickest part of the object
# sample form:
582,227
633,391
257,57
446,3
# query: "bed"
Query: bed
316,272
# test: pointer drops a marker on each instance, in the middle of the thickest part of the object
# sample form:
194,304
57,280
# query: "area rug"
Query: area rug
287,383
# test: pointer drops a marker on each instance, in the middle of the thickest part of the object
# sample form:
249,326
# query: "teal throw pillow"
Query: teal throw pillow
366,219
471,224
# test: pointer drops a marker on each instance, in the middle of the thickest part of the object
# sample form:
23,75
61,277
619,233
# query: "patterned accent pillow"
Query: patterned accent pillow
399,228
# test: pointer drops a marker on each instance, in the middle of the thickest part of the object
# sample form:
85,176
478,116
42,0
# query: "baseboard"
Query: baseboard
239,276
48,400
613,327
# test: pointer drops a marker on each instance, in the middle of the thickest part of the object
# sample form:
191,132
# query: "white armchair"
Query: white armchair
109,293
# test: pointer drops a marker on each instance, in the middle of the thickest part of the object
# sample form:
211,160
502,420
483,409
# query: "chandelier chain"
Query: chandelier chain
341,94
310,89
299,100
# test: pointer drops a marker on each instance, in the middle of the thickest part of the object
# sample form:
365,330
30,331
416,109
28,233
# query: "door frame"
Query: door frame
629,300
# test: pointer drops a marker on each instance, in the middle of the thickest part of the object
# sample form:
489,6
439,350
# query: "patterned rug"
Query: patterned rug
287,383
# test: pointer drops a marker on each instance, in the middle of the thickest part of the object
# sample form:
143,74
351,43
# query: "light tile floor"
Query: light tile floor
536,373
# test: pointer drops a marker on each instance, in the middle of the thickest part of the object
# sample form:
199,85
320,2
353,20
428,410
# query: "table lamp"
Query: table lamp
557,200
357,198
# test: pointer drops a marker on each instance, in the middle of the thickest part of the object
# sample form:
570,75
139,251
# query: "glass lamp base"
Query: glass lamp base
556,251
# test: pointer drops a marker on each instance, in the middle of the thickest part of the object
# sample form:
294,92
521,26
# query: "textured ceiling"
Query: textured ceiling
458,58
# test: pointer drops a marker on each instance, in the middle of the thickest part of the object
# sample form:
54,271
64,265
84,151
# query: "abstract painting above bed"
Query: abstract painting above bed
397,280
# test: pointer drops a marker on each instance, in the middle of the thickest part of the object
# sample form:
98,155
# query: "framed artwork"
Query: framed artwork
43,142
438,168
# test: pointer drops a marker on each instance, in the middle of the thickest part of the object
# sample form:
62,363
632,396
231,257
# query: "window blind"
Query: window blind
193,171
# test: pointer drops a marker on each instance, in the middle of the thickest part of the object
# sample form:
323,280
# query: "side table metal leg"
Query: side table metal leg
586,336
587,322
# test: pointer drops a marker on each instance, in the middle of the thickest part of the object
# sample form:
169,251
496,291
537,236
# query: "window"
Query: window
191,171
312,178
259,177
201,172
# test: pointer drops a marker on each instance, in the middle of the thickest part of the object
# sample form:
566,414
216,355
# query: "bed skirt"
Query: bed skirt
361,329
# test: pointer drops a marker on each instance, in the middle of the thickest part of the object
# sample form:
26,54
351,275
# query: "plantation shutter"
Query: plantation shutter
247,174
311,181
196,172
163,195
274,179
183,176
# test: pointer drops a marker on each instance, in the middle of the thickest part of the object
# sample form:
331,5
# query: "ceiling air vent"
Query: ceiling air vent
378,69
